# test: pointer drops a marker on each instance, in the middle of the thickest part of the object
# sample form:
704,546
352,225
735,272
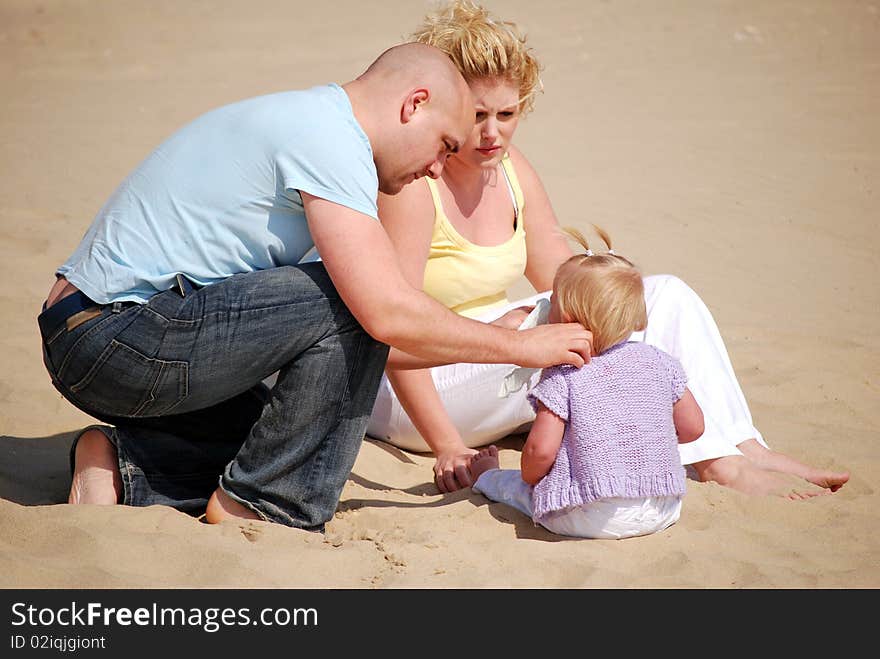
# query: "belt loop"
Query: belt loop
181,286
117,307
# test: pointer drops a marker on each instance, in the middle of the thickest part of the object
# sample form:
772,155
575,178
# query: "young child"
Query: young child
601,460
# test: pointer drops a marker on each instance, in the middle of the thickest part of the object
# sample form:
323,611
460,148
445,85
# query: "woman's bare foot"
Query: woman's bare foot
221,506
773,461
833,480
96,477
740,473
483,461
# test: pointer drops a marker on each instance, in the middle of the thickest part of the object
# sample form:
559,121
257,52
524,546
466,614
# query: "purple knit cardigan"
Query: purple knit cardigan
619,438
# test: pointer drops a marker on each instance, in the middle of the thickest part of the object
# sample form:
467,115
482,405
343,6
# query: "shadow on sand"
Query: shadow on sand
35,470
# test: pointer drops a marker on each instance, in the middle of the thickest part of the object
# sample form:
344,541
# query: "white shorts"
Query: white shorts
613,518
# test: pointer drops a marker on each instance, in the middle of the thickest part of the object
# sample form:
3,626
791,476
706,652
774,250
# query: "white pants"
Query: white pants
613,518
678,323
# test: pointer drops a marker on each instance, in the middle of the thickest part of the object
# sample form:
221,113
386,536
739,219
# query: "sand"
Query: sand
734,144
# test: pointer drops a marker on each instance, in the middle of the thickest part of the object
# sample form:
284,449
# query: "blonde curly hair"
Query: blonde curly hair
483,47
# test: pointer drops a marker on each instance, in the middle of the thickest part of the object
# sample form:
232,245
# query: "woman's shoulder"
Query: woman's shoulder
534,194
521,165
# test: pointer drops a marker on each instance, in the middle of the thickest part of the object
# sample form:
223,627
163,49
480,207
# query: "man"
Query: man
187,291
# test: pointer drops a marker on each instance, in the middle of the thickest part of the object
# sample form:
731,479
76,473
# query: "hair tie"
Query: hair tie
589,252
611,251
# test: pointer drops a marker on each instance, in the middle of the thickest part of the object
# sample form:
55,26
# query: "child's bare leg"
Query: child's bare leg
740,473
96,477
483,461
773,461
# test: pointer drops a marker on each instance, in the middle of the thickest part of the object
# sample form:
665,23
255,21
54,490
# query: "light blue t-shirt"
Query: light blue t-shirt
220,196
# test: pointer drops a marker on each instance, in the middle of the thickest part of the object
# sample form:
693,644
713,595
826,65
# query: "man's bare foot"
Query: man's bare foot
96,477
483,461
221,506
773,461
739,473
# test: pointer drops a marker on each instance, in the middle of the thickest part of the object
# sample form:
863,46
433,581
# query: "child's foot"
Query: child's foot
96,477
483,461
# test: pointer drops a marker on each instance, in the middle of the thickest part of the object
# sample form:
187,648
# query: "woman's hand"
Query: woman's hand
513,318
451,471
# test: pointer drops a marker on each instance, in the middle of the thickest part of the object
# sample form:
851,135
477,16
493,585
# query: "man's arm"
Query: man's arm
363,265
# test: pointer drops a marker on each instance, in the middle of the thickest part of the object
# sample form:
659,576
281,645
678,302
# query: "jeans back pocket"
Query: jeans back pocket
124,382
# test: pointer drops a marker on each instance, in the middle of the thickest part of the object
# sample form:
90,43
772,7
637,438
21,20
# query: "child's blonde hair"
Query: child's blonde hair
602,292
483,47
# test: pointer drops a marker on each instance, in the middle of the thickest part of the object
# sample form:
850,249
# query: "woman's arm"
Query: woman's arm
546,246
542,445
418,396
408,217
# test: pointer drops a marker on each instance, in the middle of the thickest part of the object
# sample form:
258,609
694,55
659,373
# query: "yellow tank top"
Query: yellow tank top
471,279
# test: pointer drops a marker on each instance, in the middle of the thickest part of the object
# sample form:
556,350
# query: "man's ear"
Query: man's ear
412,103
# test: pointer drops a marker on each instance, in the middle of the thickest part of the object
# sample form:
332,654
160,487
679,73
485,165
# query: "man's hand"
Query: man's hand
556,343
451,471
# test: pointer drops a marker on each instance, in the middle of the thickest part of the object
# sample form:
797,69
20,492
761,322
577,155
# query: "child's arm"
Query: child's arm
688,418
542,445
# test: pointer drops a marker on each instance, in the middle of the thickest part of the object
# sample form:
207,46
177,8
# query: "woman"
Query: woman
486,221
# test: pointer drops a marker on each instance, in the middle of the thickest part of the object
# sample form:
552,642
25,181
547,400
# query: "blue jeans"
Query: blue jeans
180,379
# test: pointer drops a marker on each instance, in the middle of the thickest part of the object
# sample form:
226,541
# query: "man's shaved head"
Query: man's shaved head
415,108
414,61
